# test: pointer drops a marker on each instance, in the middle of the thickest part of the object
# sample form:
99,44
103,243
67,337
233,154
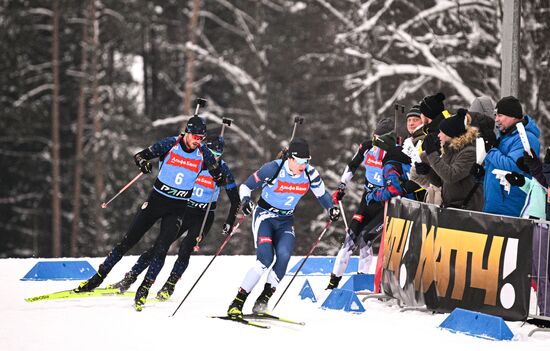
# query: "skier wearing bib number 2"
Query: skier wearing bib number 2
386,167
183,158
283,183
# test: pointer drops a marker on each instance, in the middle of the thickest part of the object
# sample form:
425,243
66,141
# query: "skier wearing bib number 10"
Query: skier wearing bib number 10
283,183
386,169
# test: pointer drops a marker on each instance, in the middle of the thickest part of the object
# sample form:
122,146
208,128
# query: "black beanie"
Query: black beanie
455,125
510,106
385,141
414,112
385,125
298,148
432,105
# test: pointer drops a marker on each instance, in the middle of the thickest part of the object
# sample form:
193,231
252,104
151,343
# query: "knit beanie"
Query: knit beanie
510,106
455,125
432,105
299,148
482,105
385,125
385,141
414,112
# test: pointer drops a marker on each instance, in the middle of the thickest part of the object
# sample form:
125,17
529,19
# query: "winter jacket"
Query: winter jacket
535,201
504,157
417,135
541,172
395,169
451,171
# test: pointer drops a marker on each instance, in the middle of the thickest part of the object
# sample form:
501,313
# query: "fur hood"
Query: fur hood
462,141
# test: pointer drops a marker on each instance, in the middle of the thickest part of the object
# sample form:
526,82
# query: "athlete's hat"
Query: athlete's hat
216,144
299,148
196,125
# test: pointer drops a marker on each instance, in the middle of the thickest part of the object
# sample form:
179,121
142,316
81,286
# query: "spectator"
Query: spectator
482,112
451,170
506,151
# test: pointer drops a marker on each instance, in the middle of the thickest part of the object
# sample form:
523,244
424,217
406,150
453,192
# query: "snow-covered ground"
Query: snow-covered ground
110,323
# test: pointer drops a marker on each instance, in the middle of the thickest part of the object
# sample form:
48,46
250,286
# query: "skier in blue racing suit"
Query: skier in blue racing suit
283,183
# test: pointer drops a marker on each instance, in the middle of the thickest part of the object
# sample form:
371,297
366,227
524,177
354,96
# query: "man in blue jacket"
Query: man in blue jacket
504,155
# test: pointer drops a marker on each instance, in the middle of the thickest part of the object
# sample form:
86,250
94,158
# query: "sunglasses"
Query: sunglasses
198,137
301,161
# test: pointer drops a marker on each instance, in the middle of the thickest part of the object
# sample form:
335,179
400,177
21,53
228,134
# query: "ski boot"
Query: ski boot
334,281
260,306
93,282
235,310
123,285
141,294
168,288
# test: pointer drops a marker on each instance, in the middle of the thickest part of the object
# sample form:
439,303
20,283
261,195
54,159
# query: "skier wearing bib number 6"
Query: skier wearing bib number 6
386,169
283,184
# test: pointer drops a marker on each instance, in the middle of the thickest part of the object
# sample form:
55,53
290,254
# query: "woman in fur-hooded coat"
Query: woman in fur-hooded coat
451,169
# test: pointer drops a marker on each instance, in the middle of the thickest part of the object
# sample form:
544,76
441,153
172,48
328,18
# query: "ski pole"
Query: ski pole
343,215
196,248
305,259
105,204
235,227
297,120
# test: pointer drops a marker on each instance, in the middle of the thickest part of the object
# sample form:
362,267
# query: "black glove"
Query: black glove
431,144
247,206
218,176
490,140
334,214
515,179
367,145
339,193
144,165
410,187
530,161
422,168
547,157
227,229
478,171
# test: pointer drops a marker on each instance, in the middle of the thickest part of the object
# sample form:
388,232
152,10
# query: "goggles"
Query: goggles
216,154
301,161
197,137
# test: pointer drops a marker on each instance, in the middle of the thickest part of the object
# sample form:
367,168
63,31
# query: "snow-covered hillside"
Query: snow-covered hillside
110,323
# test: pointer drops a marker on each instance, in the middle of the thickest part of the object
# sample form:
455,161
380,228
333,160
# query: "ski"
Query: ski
71,294
242,321
269,316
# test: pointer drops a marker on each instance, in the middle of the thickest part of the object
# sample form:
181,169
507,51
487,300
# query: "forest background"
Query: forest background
86,84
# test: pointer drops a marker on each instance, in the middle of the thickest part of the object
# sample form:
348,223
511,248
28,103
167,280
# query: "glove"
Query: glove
478,171
431,144
529,161
227,229
220,180
547,157
367,145
515,179
490,140
422,168
410,187
339,193
247,206
334,214
144,165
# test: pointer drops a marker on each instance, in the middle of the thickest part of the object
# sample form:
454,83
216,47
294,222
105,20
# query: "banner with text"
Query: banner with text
447,258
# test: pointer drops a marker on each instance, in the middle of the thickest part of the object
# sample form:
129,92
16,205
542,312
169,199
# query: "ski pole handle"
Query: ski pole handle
105,204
